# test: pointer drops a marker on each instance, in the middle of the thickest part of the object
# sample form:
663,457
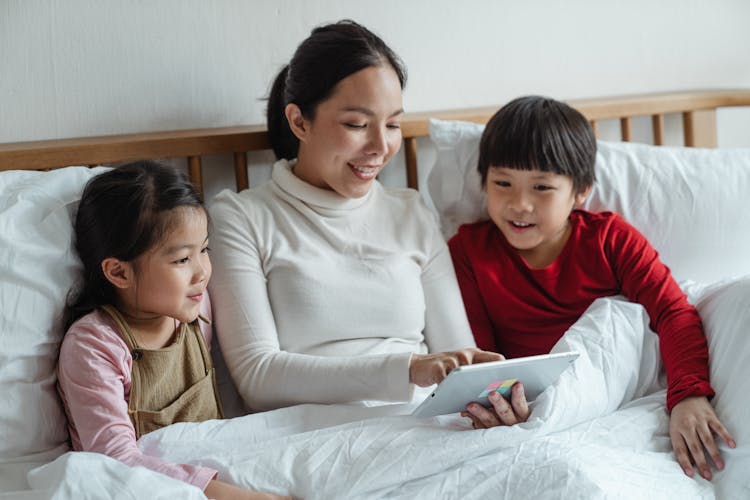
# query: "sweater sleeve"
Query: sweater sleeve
446,325
267,376
481,326
94,377
646,280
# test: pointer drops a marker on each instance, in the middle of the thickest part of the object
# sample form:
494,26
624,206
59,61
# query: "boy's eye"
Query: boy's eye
542,187
502,183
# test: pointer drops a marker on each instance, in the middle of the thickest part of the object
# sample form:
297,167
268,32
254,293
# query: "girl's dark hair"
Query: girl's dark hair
330,54
539,133
123,213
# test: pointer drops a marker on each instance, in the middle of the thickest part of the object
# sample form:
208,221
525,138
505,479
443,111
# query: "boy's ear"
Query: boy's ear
581,197
118,272
299,125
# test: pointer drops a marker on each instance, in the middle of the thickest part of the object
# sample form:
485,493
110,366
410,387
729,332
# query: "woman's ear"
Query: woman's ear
581,197
118,272
297,122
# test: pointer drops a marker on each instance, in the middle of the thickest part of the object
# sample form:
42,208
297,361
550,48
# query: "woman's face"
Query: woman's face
353,134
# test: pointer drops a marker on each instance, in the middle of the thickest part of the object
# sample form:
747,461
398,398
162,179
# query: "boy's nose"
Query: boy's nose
520,203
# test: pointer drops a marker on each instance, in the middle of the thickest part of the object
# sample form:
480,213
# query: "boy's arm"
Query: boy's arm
479,320
646,280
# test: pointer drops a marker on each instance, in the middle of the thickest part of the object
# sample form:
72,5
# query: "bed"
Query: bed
600,432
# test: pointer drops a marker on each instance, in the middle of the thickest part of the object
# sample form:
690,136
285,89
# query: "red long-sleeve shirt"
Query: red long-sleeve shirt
519,311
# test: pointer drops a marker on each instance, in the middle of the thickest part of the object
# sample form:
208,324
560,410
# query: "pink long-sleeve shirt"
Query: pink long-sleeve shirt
94,377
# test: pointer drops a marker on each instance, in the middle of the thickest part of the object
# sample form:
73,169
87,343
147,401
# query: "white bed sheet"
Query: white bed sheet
600,432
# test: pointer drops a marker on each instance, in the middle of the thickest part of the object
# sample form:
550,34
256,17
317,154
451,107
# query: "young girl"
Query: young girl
135,356
528,273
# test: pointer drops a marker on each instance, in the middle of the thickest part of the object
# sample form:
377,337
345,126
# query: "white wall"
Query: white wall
91,67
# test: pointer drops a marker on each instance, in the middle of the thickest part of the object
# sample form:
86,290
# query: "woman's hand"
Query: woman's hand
428,369
692,426
501,412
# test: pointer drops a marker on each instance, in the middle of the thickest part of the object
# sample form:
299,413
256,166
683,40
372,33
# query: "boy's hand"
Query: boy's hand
692,426
428,369
502,412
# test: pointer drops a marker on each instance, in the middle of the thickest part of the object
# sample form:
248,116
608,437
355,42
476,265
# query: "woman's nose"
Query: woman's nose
377,143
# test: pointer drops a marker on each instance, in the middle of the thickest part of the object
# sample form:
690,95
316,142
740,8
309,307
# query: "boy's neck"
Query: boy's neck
539,258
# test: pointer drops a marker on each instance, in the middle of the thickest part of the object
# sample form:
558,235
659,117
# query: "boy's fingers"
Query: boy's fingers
722,431
519,403
681,454
503,409
695,448
709,443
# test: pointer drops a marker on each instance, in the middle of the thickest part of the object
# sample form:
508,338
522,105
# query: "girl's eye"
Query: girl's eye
502,183
205,249
182,261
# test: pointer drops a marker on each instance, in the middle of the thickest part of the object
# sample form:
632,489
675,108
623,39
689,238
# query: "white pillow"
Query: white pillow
689,202
37,268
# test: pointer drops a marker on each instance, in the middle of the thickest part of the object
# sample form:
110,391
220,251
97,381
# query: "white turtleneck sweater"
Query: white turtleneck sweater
320,298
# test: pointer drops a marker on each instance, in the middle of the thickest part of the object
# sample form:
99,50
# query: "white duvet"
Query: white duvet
600,432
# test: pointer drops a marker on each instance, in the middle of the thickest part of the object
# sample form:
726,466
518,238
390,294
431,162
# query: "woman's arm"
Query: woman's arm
266,375
481,326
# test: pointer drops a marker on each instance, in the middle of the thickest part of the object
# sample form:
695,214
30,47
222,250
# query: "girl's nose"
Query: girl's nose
201,271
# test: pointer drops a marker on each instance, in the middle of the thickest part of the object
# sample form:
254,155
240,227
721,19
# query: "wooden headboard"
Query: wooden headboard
698,110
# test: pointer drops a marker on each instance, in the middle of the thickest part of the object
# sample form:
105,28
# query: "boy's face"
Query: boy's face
531,209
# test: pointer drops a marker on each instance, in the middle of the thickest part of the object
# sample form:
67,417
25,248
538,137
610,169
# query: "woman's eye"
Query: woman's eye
394,126
205,249
355,125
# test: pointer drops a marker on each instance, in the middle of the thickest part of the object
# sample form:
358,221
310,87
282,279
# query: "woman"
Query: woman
329,288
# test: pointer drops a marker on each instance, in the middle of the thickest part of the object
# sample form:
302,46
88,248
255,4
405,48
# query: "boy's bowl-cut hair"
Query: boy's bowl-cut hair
540,133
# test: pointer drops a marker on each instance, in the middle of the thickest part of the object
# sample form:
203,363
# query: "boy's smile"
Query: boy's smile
531,209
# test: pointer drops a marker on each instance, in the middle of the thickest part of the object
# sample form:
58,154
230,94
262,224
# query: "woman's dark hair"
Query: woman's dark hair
330,54
539,133
123,213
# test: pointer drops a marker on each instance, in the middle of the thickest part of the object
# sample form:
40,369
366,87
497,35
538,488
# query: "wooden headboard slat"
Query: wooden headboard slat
657,123
115,148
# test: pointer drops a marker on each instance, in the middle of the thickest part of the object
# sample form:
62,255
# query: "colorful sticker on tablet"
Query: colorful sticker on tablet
501,386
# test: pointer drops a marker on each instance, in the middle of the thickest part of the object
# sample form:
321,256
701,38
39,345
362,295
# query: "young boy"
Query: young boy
528,273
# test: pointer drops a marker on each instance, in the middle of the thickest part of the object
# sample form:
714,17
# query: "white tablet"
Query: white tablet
473,383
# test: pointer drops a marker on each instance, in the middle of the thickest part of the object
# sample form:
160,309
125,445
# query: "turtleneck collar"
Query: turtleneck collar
320,200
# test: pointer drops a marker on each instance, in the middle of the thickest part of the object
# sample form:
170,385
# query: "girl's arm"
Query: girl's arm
93,373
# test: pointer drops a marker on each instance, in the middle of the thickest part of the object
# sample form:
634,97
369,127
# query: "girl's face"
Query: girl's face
170,279
531,209
353,134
